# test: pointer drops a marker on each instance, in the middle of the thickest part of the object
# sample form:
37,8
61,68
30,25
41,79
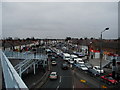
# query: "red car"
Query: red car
109,79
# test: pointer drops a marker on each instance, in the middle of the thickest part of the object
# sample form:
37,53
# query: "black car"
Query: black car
88,65
64,66
93,72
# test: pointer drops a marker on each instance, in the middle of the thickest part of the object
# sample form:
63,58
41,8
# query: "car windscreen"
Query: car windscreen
52,74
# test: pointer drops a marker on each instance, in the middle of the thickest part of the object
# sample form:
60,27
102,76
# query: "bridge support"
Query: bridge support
34,67
20,72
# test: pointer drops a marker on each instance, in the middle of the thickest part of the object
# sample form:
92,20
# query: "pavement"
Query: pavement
96,61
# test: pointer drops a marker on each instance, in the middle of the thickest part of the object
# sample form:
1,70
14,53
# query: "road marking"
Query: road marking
66,76
73,87
57,87
84,81
60,78
103,86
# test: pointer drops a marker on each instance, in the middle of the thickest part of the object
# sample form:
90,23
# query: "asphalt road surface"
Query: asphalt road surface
72,78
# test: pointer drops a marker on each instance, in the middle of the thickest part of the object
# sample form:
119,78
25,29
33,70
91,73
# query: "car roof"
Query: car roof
53,72
53,61
96,66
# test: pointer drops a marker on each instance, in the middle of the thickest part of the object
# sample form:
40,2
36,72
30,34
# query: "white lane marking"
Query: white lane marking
73,87
60,78
57,87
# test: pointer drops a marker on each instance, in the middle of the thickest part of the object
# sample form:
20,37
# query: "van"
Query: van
66,56
72,58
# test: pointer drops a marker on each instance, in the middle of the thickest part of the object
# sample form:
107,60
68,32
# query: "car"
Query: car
53,58
88,65
77,65
53,63
97,68
64,66
53,75
109,79
93,72
78,60
79,54
83,67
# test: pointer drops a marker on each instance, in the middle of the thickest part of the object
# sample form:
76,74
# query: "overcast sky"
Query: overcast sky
59,19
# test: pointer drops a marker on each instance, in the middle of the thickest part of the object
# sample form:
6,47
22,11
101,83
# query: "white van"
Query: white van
66,56
72,58
79,60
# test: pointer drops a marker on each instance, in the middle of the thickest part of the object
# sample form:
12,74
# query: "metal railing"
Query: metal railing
11,77
29,60
23,55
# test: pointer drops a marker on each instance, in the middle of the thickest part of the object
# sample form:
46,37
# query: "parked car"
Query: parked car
79,54
53,75
88,65
97,68
64,66
78,60
83,67
78,65
93,72
53,63
109,79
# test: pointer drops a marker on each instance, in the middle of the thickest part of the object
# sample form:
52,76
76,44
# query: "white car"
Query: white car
54,63
97,68
53,75
83,67
79,60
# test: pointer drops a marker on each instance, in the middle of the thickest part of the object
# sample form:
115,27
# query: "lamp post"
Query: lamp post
101,53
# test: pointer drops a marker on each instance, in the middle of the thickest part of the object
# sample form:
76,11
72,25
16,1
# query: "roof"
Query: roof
53,72
73,55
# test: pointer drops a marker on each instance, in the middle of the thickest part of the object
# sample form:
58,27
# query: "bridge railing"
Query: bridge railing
23,55
11,77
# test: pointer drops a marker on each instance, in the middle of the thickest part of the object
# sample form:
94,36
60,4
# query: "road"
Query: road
71,78
64,80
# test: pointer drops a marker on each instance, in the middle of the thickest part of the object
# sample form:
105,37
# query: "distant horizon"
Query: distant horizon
15,38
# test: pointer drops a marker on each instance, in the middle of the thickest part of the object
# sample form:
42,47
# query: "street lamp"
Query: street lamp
101,53
106,29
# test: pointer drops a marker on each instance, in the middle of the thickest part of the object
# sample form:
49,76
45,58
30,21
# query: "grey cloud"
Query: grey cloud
59,20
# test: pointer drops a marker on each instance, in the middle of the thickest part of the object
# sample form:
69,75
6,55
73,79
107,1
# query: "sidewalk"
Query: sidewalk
96,62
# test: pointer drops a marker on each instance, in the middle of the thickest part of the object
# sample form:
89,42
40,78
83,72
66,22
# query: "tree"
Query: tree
81,38
68,38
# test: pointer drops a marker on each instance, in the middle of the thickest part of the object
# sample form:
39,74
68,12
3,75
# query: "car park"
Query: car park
109,79
93,72
97,68
54,63
53,75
